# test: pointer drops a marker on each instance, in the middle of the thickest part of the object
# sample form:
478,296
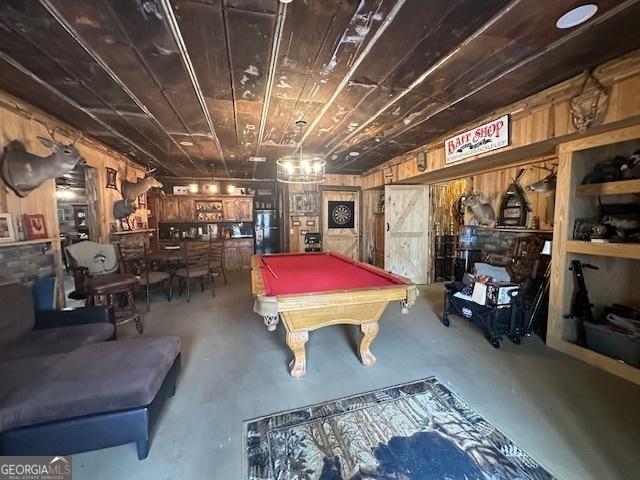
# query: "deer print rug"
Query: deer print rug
419,430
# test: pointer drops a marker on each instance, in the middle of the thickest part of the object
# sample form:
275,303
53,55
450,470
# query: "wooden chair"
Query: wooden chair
134,259
95,272
216,258
197,266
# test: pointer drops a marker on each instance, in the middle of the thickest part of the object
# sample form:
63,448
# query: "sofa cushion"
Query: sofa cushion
57,340
96,378
17,317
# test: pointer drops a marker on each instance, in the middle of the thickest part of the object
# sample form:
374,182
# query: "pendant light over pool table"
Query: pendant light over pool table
301,168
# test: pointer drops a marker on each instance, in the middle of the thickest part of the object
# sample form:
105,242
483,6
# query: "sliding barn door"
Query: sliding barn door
407,231
340,222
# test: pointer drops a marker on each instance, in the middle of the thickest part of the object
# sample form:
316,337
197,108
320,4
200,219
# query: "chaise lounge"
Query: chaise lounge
68,390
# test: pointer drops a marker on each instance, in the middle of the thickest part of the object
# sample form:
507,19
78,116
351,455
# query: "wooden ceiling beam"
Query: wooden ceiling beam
275,49
186,59
488,82
354,66
79,107
55,13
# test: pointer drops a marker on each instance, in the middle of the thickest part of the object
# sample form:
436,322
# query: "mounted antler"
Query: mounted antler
77,138
52,134
553,169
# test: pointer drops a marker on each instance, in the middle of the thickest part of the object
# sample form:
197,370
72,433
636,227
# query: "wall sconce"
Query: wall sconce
213,188
231,189
193,188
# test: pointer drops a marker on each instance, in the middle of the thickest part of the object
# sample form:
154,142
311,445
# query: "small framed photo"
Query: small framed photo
35,226
111,178
311,223
180,190
303,232
296,223
6,228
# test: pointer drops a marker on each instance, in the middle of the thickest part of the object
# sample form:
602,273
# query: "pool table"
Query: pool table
313,290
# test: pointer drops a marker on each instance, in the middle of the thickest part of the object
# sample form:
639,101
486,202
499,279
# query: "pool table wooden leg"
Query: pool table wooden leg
296,341
369,330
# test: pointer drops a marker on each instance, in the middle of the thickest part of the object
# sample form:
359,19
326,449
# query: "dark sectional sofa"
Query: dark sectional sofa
66,384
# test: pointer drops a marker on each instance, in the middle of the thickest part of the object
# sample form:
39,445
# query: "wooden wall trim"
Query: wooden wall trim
539,123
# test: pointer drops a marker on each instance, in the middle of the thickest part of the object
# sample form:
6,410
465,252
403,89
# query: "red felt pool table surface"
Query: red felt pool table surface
287,274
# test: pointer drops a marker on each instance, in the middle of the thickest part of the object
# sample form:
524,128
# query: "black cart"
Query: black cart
494,321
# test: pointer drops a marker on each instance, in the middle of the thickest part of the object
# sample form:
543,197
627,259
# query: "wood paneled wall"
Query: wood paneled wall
19,121
312,223
538,124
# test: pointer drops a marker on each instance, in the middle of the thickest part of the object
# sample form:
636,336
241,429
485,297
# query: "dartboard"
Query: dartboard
341,214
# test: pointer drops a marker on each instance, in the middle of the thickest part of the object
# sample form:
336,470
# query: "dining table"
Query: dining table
172,257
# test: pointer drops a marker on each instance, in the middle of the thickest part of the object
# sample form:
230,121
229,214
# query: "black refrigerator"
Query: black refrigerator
267,232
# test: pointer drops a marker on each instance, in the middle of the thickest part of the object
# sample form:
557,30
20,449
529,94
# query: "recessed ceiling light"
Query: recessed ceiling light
354,154
577,16
286,1
257,159
186,143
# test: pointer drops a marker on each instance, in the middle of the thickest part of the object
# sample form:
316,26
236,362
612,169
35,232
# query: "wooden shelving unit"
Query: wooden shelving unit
610,188
619,250
618,263
611,365
28,242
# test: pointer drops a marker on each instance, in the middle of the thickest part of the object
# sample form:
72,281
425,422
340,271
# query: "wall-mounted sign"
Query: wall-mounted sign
487,137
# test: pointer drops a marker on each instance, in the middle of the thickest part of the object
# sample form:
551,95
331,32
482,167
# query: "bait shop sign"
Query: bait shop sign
487,137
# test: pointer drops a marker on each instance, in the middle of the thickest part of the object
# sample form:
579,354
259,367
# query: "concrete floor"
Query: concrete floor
578,421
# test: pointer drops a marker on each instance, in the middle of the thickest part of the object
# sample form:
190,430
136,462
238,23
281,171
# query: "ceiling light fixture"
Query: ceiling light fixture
286,1
186,143
257,159
299,167
577,16
354,154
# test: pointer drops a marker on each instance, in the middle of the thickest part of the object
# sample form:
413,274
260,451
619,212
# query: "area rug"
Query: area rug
420,430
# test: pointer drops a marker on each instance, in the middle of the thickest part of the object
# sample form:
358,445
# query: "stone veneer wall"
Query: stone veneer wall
25,263
498,243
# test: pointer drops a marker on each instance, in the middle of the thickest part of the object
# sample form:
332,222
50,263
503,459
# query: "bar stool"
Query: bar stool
108,287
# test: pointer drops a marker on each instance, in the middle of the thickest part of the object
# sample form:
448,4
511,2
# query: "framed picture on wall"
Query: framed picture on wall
6,228
303,203
111,178
35,226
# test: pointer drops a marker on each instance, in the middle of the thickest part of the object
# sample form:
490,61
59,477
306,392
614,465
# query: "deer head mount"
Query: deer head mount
132,190
23,172
483,213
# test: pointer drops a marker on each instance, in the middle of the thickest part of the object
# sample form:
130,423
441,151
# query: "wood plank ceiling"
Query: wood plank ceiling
182,84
